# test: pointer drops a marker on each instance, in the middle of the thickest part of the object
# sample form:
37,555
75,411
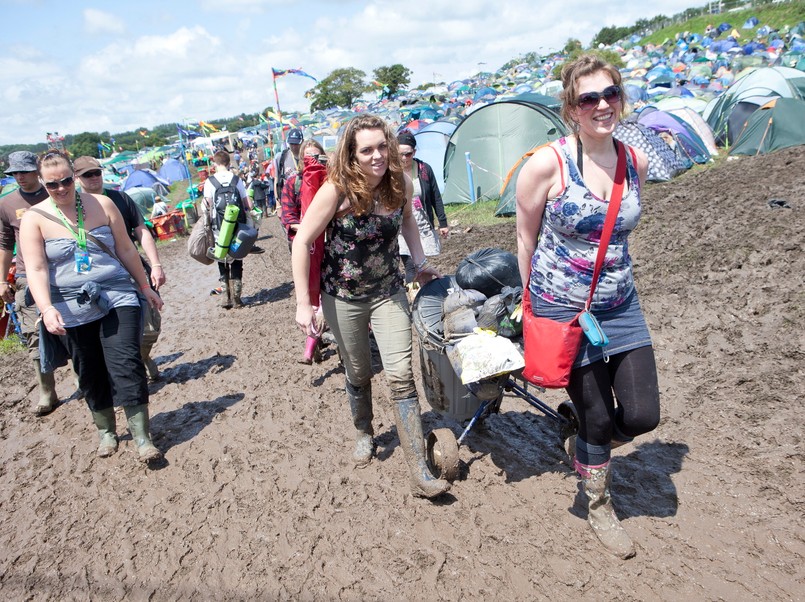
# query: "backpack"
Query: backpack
226,194
281,175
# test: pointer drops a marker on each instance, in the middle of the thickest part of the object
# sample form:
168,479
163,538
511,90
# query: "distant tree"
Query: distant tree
339,89
394,77
572,45
609,35
84,144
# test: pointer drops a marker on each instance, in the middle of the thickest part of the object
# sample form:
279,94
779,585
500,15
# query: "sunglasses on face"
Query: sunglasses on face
590,100
92,174
406,155
66,182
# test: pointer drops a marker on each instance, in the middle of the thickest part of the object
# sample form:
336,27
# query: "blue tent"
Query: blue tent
172,171
146,178
750,23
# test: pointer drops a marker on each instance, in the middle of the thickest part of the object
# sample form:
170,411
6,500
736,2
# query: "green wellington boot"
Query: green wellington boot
48,400
137,417
237,290
107,431
360,403
409,427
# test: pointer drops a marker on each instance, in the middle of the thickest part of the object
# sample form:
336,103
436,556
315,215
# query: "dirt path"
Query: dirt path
258,499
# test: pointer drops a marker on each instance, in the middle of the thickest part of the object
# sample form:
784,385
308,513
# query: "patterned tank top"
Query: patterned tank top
362,257
563,262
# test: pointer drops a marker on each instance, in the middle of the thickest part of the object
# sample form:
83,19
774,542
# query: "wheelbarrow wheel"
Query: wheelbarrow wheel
442,454
570,426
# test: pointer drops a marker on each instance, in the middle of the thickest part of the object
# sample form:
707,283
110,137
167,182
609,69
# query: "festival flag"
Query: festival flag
207,126
143,133
283,72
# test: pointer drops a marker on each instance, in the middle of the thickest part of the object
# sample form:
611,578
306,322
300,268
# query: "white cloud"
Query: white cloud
207,71
97,21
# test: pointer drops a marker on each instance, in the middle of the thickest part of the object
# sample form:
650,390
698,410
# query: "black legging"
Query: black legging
232,270
632,377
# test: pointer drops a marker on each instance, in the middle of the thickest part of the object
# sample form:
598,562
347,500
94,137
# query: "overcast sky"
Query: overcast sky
73,66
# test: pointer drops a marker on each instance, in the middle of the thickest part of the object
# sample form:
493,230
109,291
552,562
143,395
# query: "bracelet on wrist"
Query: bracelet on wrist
47,309
145,286
421,265
156,265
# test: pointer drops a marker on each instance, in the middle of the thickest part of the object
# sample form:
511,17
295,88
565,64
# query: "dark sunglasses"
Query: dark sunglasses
410,154
92,174
66,182
590,100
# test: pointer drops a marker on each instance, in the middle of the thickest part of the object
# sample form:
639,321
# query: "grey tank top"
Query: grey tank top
116,286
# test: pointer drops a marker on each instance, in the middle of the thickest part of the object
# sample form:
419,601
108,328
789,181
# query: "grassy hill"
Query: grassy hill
775,15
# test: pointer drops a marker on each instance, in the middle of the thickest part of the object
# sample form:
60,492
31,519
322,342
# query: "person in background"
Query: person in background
22,165
291,213
426,201
365,202
160,206
230,270
90,176
81,263
287,162
562,199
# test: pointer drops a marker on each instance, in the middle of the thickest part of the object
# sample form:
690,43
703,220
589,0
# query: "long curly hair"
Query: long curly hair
586,64
348,177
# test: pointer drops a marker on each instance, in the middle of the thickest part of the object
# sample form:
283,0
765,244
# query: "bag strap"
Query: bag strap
609,222
90,237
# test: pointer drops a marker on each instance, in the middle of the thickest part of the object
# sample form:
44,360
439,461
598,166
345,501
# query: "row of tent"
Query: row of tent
762,112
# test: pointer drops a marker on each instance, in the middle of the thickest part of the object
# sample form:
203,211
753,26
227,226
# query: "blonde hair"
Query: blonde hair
586,64
350,180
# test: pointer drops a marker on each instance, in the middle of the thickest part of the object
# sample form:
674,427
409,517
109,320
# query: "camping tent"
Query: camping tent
661,121
146,178
496,136
664,162
172,171
778,124
431,144
768,82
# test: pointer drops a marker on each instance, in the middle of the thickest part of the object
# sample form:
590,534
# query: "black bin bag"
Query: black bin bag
488,271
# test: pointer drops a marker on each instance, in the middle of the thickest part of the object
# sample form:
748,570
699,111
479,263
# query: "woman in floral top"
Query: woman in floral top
364,204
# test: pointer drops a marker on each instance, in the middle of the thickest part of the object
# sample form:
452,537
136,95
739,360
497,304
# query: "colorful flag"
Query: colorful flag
283,72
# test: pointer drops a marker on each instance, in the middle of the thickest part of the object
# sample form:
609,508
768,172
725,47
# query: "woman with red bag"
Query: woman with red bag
563,194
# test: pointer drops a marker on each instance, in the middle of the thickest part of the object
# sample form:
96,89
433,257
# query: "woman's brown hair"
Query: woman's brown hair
348,177
53,156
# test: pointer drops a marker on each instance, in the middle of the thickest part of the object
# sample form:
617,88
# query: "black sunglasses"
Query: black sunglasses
92,174
66,182
590,100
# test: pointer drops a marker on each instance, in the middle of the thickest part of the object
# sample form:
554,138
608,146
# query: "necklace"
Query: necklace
580,156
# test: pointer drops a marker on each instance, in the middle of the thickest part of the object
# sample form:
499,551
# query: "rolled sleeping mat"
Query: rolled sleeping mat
226,232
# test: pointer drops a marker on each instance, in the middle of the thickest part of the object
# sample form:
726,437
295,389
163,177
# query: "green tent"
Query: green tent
496,136
776,125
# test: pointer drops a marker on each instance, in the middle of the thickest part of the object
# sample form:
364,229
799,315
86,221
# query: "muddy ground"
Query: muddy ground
257,498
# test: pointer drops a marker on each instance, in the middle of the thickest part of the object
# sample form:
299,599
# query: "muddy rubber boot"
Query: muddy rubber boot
601,516
409,427
360,403
48,400
105,421
150,365
237,290
137,417
226,294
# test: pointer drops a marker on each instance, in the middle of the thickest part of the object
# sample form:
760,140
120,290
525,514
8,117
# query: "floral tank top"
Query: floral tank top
563,262
362,257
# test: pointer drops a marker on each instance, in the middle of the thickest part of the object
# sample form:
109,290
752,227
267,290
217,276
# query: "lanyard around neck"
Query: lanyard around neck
80,234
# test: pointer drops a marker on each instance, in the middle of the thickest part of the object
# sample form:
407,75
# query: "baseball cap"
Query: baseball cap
84,164
295,136
21,161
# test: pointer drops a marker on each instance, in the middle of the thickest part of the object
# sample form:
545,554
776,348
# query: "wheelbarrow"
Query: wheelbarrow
447,395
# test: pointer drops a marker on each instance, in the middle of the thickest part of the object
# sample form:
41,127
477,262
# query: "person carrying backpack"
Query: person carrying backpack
288,161
222,189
